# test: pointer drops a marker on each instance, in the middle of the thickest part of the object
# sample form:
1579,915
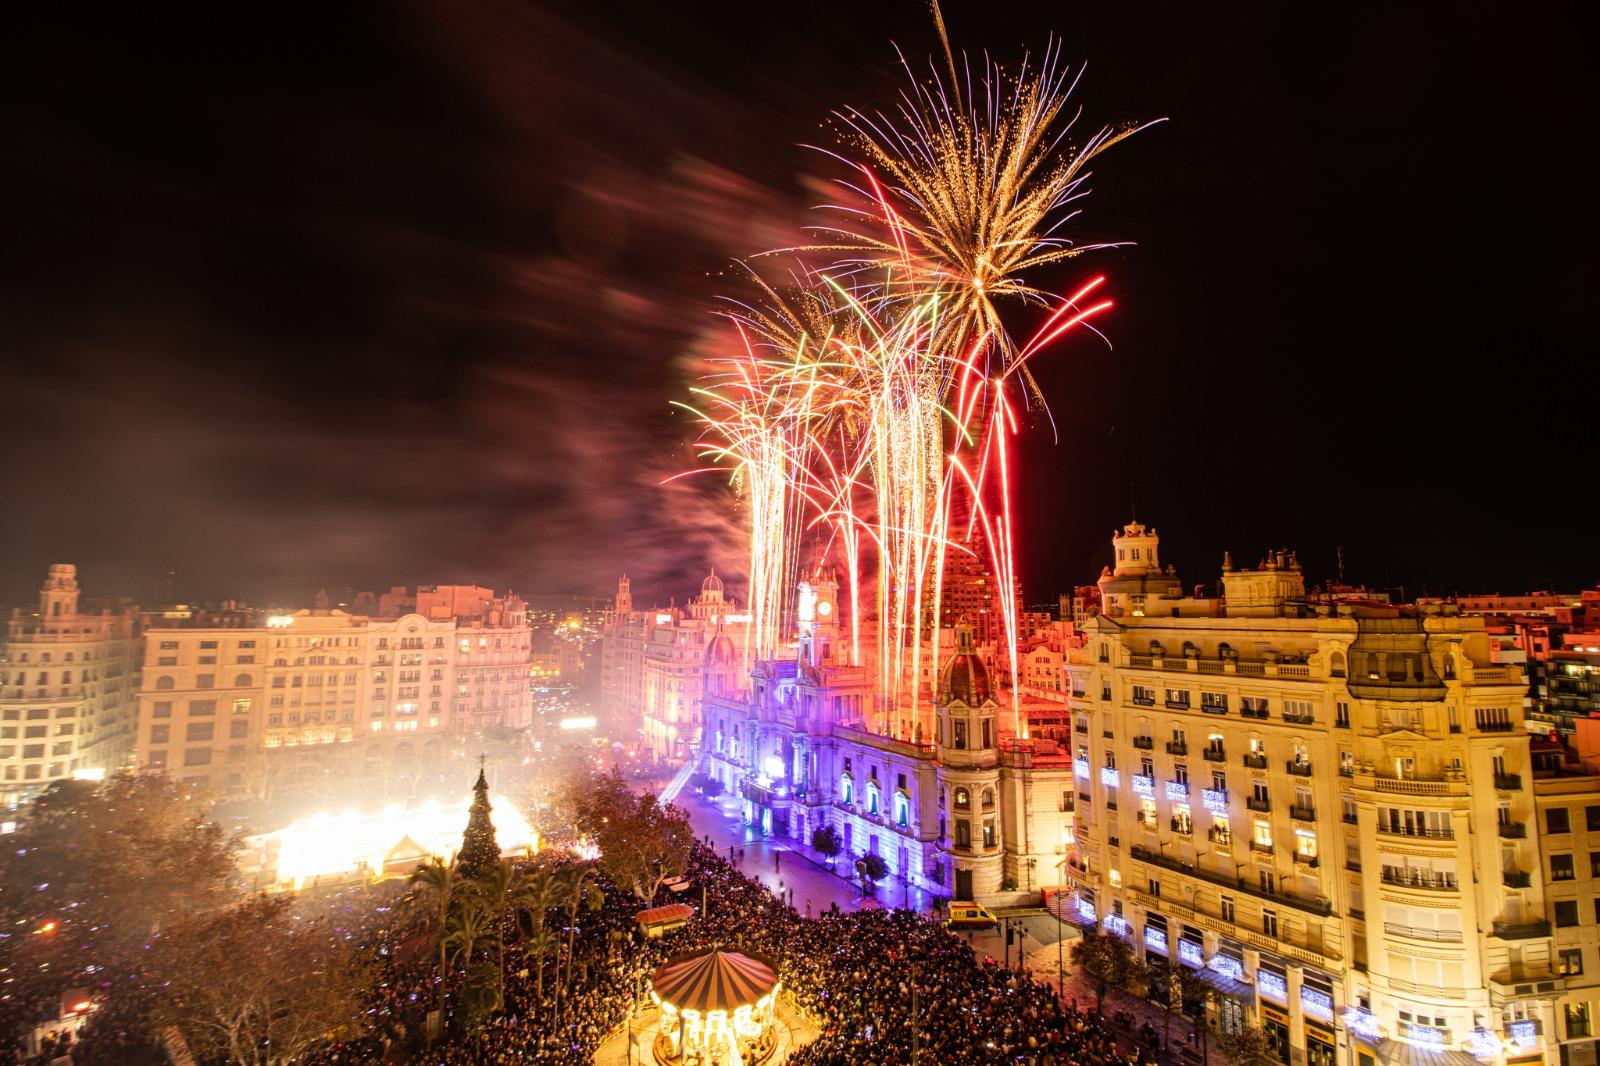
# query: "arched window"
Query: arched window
963,800
902,809
280,662
1336,664
847,789
872,797
163,683
243,681
988,799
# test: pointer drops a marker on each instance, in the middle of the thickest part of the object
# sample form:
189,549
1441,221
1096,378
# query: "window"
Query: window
1571,964
159,734
161,709
199,731
197,757
963,833
1591,817
963,799
238,729
1556,820
205,680
202,708
1561,868
163,683
1577,1020
1227,908
1269,922
1567,912
988,833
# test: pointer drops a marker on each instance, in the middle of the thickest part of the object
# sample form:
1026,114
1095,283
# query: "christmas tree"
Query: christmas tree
479,851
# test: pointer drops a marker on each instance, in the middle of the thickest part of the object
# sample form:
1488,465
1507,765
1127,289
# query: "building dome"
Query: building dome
721,651
712,583
965,677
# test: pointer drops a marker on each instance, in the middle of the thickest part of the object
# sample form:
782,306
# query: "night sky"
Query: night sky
376,294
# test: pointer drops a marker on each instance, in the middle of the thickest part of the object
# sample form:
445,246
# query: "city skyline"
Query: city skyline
417,353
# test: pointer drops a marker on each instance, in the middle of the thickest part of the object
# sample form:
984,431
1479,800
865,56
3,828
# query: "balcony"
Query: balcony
1299,718
1422,831
1213,755
1508,782
1258,803
1144,743
1214,708
1177,747
1313,861
1219,835
1513,830
1349,818
1177,705
1413,932
1256,760
1182,828
1494,727
1520,930
1080,726
1260,848
1144,701
1401,877
1516,878
1299,769
1304,814
1254,712
1106,734
1309,904
1068,804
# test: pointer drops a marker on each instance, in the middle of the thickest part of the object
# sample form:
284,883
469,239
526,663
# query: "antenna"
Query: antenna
1340,552
1133,504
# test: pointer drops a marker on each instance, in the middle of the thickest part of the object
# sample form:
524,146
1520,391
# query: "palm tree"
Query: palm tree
470,923
435,879
534,895
494,889
577,888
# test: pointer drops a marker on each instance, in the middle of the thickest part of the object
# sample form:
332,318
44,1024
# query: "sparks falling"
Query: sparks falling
866,416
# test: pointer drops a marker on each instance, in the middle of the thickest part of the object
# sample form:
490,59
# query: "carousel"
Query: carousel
716,1010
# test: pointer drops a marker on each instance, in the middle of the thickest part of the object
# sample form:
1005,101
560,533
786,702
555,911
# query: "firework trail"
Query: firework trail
874,397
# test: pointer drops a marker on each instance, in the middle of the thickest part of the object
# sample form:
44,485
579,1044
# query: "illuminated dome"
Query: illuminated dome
712,583
965,677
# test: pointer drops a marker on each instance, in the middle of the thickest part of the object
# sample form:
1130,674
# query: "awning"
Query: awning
1227,986
717,980
1400,1053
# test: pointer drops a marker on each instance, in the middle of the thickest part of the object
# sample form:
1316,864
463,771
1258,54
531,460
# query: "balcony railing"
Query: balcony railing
1513,830
1313,861
1182,828
1261,848
1431,882
1299,718
1508,782
1080,726
1177,705
1214,755
1309,904
1214,708
1106,734
1427,832
1299,769
1254,712
1145,701
1177,747
1443,936
1255,760
1516,878
1145,743
1304,814
1520,930
1494,727
1258,803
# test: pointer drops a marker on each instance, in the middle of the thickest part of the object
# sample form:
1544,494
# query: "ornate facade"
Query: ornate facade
1322,803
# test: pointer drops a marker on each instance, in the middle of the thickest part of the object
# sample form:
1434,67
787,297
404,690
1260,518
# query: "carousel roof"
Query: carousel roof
716,980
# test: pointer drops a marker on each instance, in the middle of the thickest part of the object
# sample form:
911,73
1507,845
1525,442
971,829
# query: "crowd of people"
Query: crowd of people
851,975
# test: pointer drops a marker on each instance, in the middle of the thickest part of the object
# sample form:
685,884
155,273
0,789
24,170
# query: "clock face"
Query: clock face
824,608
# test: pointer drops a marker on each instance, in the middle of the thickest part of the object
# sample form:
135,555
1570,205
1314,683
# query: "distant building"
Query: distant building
652,663
68,688
314,702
